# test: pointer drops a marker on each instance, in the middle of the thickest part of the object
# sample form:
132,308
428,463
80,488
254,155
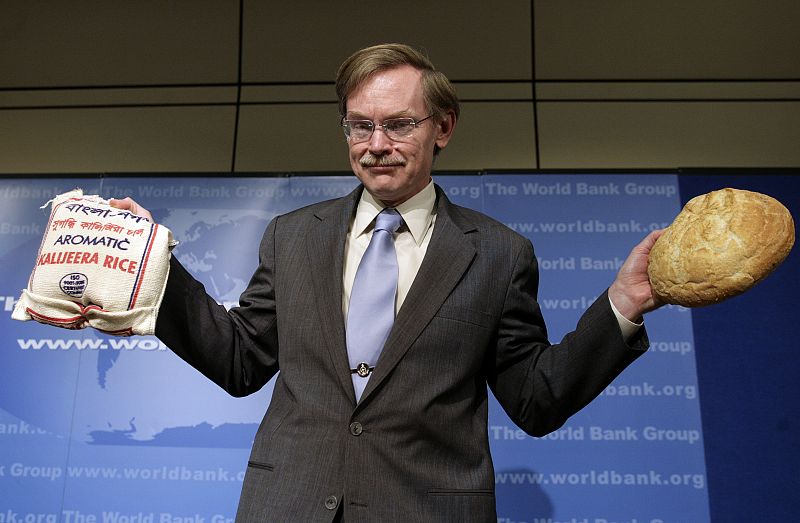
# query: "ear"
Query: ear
445,128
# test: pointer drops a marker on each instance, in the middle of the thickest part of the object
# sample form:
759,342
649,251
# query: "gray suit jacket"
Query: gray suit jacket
415,448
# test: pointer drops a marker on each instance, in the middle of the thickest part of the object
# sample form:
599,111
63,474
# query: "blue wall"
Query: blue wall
117,429
748,369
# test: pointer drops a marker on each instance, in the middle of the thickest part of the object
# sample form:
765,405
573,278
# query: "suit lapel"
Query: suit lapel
325,249
449,254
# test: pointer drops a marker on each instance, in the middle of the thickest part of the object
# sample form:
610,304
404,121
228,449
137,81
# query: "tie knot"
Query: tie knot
388,220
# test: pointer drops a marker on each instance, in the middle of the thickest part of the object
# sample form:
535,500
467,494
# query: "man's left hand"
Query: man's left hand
631,293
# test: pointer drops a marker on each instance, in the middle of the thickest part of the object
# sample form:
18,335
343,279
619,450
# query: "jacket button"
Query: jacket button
356,429
331,502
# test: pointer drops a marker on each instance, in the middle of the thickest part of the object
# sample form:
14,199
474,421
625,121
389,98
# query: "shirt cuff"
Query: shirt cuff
627,327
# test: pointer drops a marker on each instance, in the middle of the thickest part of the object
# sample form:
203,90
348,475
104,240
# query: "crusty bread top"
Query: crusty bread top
721,244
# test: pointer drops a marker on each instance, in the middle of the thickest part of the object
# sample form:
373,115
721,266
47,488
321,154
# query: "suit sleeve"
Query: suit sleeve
541,385
237,349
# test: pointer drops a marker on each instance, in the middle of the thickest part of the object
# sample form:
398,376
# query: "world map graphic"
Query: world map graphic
133,391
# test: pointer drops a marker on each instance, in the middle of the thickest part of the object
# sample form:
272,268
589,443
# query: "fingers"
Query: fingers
631,291
647,243
128,204
655,235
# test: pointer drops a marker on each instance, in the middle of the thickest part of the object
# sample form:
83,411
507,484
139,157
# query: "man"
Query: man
399,433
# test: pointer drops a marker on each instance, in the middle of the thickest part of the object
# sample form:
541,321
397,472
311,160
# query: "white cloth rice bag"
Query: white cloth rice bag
98,267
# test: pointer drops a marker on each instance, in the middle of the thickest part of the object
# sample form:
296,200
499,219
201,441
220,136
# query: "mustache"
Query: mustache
372,160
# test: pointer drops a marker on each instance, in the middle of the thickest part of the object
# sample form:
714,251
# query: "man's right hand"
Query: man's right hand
128,204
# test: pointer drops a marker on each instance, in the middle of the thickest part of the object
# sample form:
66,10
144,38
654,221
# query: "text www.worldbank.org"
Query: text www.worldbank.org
609,478
148,344
162,473
586,226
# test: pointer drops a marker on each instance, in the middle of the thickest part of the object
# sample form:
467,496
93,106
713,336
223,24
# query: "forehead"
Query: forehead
390,92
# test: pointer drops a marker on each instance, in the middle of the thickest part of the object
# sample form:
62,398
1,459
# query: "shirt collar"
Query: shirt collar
417,212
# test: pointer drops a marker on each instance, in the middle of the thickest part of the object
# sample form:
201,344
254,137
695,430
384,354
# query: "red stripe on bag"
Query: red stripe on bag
67,323
143,266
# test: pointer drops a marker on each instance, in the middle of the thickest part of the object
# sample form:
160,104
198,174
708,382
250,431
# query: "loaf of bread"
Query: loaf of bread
720,245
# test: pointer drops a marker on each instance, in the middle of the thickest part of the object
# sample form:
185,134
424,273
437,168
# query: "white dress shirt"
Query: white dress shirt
411,243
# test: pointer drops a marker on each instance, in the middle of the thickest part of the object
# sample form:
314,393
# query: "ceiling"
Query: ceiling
247,86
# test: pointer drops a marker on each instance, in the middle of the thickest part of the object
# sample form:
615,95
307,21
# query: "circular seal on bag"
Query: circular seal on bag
74,284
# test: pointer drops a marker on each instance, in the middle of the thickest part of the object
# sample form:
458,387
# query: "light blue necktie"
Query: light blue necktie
371,312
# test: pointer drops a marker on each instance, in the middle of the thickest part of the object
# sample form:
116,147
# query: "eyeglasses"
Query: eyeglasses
395,128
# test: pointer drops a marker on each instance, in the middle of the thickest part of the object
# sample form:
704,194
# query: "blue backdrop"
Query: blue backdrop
119,430
748,371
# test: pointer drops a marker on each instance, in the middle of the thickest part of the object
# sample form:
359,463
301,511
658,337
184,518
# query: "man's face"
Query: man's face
395,170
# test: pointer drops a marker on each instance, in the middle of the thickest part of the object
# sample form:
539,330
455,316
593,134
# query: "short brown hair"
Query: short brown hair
437,91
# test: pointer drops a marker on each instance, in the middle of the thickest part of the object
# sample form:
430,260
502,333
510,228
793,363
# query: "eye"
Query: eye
400,125
360,125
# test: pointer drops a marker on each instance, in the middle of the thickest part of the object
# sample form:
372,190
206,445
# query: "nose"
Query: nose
379,143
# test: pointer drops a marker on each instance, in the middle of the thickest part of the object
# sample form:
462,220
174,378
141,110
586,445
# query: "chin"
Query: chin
384,193
380,183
